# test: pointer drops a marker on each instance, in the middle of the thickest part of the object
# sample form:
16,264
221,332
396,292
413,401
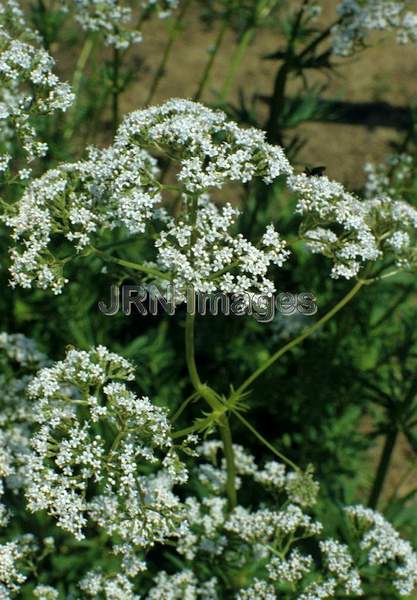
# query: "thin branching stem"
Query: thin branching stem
296,341
264,441
215,403
115,89
233,69
134,266
212,57
383,467
167,52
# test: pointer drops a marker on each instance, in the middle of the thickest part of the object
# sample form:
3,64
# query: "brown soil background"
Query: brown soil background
385,72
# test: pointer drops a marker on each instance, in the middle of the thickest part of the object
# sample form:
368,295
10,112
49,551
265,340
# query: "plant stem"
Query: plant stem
183,406
213,53
265,441
383,467
115,89
229,455
296,341
237,57
280,84
277,103
210,396
43,24
81,63
201,424
135,266
76,83
318,40
190,354
168,48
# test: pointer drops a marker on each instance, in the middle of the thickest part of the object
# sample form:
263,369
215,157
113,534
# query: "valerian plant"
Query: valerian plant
29,86
103,457
93,452
105,491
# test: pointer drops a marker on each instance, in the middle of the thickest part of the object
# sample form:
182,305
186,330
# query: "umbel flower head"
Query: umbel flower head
28,85
103,458
115,19
111,18
359,18
210,150
120,187
111,188
66,211
102,454
267,547
20,358
351,231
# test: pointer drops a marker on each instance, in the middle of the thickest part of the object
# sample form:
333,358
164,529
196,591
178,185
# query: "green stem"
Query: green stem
280,84
277,104
168,48
115,89
383,467
81,63
229,455
265,441
213,53
296,341
76,83
318,40
183,406
199,426
134,266
190,353
237,57
210,396
43,25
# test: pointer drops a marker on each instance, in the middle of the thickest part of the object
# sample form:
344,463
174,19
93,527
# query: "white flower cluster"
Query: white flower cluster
339,563
358,19
164,8
290,569
92,452
182,585
259,590
20,359
12,555
22,350
117,587
102,456
395,222
12,14
263,536
266,526
352,231
300,487
202,252
114,19
111,188
45,592
384,547
111,18
29,87
327,207
391,177
118,187
211,151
